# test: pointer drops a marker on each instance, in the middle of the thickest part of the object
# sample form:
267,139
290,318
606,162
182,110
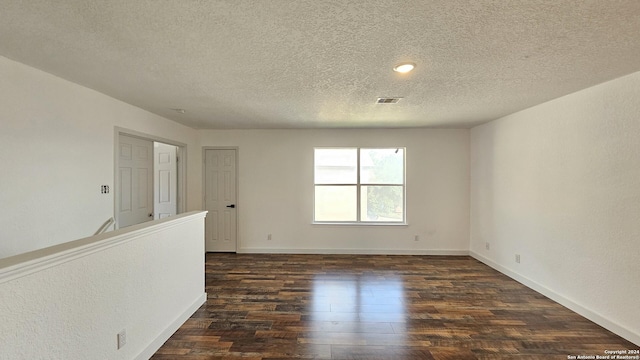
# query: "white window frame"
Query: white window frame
359,185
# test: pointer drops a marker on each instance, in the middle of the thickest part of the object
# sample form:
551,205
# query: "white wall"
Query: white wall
276,191
56,149
559,184
70,301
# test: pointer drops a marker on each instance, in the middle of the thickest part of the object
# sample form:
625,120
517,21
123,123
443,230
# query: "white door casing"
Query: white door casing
135,181
220,200
165,186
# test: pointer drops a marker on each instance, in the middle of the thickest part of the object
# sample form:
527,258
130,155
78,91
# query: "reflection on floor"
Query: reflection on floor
376,307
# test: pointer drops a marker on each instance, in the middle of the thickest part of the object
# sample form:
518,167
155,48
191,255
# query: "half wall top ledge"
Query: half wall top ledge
27,263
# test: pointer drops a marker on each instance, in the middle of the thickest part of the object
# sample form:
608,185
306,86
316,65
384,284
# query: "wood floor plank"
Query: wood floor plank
273,306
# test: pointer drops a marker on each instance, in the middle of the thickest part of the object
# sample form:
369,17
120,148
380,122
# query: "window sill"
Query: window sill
361,223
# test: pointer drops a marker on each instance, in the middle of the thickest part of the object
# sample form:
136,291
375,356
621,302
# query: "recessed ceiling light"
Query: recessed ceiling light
404,67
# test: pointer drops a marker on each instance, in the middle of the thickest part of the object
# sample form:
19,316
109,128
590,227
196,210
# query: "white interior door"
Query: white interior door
165,185
220,200
135,181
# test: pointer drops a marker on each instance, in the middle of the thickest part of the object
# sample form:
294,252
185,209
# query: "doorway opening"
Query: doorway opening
149,178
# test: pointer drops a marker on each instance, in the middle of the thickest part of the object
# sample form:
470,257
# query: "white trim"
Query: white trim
145,136
362,223
31,262
581,310
172,328
354,251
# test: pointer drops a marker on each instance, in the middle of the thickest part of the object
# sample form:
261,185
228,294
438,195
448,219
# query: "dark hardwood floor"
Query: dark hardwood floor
376,307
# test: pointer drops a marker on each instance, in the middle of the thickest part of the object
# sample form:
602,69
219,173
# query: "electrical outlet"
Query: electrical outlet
269,237
518,258
416,238
122,339
487,246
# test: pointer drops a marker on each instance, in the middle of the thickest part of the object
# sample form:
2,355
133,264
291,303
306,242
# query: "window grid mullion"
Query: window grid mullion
371,184
338,184
359,218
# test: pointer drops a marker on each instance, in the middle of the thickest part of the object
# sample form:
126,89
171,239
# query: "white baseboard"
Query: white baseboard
148,352
354,251
589,314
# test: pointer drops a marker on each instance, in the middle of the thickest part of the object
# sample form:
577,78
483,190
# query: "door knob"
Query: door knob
150,214
231,206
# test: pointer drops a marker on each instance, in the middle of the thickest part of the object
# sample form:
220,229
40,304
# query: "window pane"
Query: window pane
336,203
381,203
336,166
382,166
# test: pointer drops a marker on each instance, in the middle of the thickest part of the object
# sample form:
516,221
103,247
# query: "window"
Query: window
359,185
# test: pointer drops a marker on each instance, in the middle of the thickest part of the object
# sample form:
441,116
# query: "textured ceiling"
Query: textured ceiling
323,63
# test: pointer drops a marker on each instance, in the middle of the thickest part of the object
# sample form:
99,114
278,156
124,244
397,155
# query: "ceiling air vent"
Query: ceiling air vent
393,100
